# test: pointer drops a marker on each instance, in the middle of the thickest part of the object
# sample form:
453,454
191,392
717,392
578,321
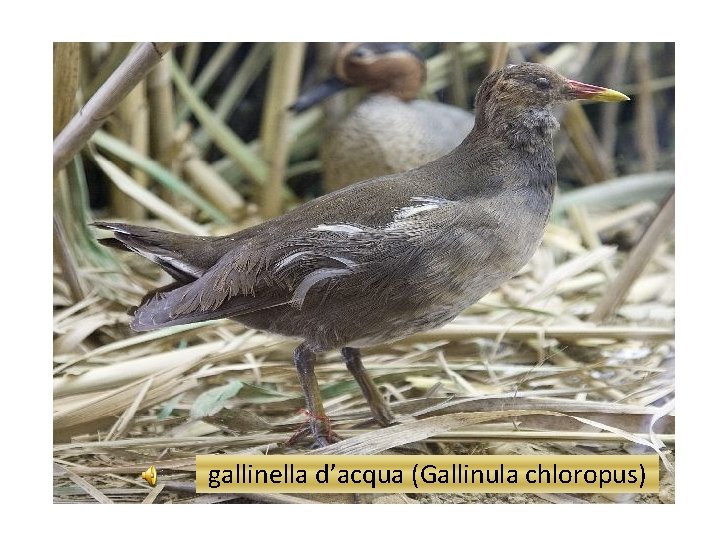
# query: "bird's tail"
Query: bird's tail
184,257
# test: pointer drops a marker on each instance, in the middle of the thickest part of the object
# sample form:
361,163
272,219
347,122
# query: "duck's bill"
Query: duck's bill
317,94
580,90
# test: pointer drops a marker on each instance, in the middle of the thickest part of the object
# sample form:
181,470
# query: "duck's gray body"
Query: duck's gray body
384,135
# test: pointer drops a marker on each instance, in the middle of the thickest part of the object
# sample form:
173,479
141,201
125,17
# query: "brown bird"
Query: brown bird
390,130
384,258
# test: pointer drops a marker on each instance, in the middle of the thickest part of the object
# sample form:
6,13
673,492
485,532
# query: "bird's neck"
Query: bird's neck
513,151
403,86
527,130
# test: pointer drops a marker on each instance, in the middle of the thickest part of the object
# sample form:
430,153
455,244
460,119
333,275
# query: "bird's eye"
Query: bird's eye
361,52
542,83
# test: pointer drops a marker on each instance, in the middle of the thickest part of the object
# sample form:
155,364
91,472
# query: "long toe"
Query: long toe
382,414
321,441
320,430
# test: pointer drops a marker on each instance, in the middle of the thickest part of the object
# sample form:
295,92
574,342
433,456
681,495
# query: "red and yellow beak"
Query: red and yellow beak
578,90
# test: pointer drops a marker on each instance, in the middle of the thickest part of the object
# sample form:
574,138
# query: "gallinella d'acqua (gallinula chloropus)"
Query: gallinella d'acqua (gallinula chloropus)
390,130
383,258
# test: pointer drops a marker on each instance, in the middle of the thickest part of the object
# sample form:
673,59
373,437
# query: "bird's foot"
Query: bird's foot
319,427
321,441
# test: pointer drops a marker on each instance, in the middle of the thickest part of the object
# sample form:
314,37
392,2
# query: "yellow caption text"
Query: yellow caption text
427,474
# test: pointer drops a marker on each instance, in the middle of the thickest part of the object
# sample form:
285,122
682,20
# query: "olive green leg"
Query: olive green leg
380,410
319,424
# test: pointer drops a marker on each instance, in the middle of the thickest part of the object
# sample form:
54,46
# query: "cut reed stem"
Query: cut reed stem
76,133
638,259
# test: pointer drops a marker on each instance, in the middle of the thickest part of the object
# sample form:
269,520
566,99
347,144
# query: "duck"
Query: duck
383,258
390,130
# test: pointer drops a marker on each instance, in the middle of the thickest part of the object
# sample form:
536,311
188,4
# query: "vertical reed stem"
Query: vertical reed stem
283,90
500,53
131,125
162,120
610,111
646,134
458,77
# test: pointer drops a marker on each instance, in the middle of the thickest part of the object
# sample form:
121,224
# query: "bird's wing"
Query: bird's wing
274,268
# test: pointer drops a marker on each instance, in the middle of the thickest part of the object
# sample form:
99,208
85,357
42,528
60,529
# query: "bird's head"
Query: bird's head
529,85
391,67
514,102
394,68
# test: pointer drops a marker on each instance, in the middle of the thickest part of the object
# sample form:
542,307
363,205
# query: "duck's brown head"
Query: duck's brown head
391,68
395,68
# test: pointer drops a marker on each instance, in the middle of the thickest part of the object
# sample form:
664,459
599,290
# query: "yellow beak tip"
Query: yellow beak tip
610,95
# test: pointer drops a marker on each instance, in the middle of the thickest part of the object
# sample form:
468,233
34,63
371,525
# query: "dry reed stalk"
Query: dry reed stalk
86,486
162,116
147,199
645,122
567,270
76,133
619,192
86,68
131,369
214,187
175,442
64,258
275,129
99,407
458,77
153,494
557,436
610,111
120,428
500,53
621,217
377,441
581,133
154,337
162,175
579,215
190,58
240,152
118,53
208,75
66,70
529,400
251,68
456,331
636,262
439,66
166,464
579,166
130,124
